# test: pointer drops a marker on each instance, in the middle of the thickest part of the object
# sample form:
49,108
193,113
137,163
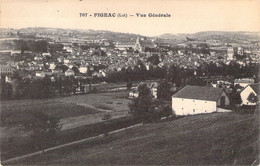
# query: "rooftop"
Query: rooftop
199,93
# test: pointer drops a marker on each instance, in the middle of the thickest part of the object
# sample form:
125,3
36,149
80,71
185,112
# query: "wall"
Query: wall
227,101
189,106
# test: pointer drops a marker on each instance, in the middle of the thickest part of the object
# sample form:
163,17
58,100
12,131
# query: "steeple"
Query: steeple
138,40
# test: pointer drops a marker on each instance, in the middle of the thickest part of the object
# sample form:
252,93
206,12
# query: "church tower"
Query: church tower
138,46
230,53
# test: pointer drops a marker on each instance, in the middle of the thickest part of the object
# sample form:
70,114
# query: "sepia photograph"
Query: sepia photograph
133,82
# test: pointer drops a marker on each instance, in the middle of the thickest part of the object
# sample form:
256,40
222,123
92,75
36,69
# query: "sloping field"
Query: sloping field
74,111
218,138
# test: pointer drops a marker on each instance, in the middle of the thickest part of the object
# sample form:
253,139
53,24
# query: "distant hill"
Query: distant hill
211,35
164,38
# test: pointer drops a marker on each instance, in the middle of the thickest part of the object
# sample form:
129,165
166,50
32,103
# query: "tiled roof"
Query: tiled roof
199,93
245,80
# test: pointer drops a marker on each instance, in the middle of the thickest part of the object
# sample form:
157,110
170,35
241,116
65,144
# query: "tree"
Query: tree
252,98
167,111
154,59
129,85
44,129
235,97
142,107
175,75
164,90
75,69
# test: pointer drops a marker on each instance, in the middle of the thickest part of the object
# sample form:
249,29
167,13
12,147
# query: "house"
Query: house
250,91
6,69
83,69
243,82
199,99
230,53
38,58
133,93
142,44
60,59
13,52
154,89
221,84
46,54
69,72
39,74
52,65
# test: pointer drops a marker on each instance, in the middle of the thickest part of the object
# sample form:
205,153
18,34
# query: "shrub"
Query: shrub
107,116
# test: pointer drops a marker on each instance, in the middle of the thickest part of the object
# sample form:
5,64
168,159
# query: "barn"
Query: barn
199,99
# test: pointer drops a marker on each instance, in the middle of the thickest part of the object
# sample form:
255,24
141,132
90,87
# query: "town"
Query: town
89,78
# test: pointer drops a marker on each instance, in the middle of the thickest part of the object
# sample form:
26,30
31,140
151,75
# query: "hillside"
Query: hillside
218,138
214,35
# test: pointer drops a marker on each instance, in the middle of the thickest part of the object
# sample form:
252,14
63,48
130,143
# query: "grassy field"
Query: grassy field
218,138
74,111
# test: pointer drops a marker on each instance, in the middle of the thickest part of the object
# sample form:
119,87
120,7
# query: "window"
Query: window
193,100
193,110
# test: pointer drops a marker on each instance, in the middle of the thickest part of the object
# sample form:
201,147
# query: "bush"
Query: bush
107,116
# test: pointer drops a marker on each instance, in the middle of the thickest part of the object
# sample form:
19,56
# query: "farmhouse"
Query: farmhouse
198,99
243,82
249,94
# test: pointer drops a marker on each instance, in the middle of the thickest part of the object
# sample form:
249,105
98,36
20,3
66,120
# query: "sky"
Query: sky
186,16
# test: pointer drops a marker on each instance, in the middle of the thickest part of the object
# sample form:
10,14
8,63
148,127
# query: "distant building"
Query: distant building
243,82
141,45
198,99
52,65
46,54
39,74
240,51
38,58
15,52
60,59
125,45
6,69
69,72
154,89
133,93
230,53
83,69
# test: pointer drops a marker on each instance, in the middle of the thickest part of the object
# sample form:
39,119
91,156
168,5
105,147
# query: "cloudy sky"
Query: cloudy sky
186,16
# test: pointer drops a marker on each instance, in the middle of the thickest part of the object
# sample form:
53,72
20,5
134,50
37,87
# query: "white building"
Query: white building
133,93
243,82
230,53
83,69
247,91
154,89
46,54
240,51
6,69
15,52
60,59
198,99
38,58
52,65
39,74
69,72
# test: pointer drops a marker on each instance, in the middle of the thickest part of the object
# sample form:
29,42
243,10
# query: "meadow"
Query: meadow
210,139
